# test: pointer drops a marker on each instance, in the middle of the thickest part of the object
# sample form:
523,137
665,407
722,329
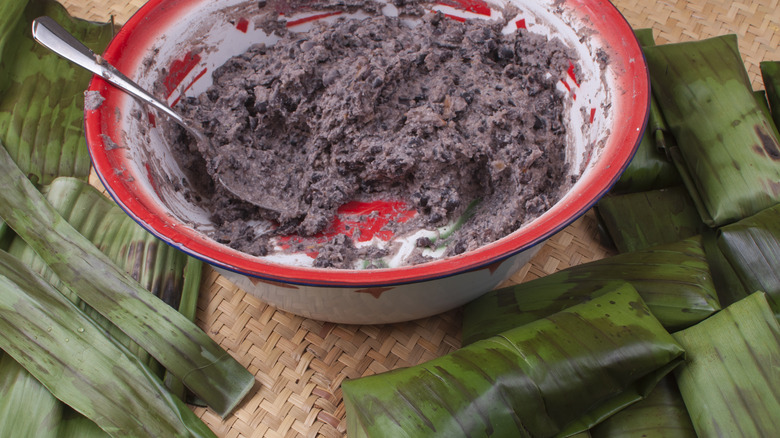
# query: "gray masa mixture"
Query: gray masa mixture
439,115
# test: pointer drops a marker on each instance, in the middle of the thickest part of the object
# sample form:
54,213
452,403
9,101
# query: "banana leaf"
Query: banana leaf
164,271
770,74
727,152
27,408
674,280
727,283
176,342
535,380
763,102
730,382
75,425
156,266
752,248
42,95
6,235
644,36
650,168
637,221
661,415
81,365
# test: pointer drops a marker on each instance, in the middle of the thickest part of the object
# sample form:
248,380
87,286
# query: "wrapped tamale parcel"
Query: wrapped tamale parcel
532,381
730,382
727,151
650,168
752,248
729,287
770,74
636,221
674,280
661,415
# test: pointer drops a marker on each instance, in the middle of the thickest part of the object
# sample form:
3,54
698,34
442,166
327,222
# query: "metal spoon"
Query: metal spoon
51,35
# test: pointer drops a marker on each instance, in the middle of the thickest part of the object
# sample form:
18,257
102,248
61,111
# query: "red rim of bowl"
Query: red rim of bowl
618,152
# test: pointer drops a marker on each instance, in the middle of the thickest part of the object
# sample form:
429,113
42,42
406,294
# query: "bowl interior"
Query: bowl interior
173,46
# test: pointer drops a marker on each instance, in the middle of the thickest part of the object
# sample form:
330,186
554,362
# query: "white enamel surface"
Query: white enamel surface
211,32
400,303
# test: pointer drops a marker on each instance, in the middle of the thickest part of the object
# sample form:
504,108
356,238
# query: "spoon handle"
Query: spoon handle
51,35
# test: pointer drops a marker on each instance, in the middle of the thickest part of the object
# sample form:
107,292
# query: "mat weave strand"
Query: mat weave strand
300,363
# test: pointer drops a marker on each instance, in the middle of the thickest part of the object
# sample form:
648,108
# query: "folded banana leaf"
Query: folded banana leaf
661,415
640,220
81,365
650,168
752,248
674,280
770,73
730,381
535,380
42,94
727,152
727,283
27,408
644,36
763,102
761,99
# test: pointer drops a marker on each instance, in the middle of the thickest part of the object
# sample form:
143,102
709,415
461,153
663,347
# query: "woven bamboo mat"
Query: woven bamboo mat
300,363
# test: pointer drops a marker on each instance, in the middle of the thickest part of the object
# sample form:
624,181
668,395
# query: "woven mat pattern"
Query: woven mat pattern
300,363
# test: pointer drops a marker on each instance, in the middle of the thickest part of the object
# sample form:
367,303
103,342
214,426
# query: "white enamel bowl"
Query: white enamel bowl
180,42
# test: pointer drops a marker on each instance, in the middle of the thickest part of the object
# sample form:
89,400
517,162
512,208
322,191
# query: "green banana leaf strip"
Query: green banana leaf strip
6,235
75,425
730,383
533,380
188,307
674,280
728,153
166,272
82,366
770,74
176,342
27,408
42,94
105,225
637,221
131,247
661,415
752,248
